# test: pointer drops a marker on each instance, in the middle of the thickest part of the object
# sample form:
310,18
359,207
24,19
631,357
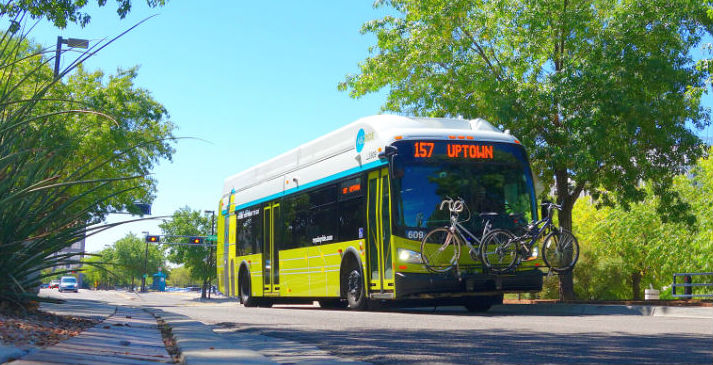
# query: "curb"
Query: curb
199,345
8,353
591,309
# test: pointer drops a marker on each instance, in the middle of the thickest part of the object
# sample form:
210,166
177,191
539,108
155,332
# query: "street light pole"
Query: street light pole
71,43
146,254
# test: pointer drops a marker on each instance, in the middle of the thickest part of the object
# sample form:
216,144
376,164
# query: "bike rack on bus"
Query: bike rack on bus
688,285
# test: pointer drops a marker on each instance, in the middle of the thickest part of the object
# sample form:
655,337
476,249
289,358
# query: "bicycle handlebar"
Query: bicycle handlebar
455,206
550,205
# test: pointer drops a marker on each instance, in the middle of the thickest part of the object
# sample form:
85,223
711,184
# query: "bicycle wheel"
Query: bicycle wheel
498,251
440,250
560,250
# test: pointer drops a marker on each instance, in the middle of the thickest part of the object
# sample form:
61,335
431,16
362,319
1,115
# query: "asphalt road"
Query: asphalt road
449,335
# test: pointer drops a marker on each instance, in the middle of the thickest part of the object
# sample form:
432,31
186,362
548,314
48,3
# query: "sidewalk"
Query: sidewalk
129,336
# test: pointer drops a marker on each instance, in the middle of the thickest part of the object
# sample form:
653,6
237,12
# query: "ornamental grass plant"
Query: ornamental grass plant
50,195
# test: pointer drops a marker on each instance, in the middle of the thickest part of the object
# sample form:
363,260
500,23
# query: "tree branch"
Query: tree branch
482,54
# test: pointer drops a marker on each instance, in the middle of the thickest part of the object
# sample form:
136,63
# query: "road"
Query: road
448,335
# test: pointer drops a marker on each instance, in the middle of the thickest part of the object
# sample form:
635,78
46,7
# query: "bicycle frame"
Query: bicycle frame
546,224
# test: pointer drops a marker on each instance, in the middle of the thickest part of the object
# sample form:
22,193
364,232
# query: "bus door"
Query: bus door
270,258
379,265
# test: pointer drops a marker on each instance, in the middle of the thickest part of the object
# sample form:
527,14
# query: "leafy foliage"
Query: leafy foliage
625,251
199,260
601,93
62,12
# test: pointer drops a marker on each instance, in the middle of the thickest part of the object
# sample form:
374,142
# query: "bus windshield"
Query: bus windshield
490,177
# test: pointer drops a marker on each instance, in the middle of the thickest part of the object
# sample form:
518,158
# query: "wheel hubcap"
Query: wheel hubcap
354,285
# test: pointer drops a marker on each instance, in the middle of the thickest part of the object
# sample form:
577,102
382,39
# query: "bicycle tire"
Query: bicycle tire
560,250
498,252
440,250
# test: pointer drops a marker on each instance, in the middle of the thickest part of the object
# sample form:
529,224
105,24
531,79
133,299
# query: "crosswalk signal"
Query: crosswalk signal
197,240
152,239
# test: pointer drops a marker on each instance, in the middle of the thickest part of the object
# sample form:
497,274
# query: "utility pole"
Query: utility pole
209,259
146,255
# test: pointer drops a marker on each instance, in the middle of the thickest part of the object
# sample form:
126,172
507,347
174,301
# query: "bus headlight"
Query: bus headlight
408,256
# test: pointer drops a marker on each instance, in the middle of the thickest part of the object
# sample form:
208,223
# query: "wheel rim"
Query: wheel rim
440,250
499,254
560,251
354,285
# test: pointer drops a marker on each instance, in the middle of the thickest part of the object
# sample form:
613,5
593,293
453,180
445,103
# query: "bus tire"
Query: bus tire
355,290
246,296
481,304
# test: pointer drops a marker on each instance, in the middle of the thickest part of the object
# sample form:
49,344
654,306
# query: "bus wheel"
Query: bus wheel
356,293
481,304
245,294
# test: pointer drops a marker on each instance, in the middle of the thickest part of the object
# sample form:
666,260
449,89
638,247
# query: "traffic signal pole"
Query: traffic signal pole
143,277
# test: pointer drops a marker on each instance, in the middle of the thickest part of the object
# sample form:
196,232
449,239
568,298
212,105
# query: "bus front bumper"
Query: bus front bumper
425,284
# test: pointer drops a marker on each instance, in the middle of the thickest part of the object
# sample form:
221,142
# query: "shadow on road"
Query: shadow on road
501,347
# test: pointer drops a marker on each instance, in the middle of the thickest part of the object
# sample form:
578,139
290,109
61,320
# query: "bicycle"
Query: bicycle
501,251
441,247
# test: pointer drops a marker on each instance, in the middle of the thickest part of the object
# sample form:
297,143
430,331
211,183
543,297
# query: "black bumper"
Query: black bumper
418,284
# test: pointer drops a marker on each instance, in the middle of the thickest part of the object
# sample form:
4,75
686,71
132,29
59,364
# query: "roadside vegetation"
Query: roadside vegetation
72,147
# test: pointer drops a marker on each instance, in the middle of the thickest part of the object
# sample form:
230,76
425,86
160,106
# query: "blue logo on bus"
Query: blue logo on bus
360,140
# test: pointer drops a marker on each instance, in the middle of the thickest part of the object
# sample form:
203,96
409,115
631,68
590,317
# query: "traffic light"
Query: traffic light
197,240
152,239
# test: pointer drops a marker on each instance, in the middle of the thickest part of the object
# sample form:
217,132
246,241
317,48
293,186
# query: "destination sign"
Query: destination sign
453,150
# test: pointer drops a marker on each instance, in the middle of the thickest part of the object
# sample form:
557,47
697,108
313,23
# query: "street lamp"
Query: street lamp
71,43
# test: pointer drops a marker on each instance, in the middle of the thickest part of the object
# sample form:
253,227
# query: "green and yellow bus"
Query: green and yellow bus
339,220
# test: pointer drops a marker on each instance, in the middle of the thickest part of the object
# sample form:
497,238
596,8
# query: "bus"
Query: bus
339,220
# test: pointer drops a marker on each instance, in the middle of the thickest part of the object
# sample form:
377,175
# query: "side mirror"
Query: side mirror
388,153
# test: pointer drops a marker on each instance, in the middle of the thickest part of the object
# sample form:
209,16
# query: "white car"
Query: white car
68,283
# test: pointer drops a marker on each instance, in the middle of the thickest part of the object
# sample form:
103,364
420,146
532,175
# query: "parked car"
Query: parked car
68,283
54,284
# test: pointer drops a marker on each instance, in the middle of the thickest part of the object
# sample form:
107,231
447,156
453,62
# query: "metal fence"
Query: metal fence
688,284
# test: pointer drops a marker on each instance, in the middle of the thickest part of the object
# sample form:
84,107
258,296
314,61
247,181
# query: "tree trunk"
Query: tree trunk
566,279
636,285
203,290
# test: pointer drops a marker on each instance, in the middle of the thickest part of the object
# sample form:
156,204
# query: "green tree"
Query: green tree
99,271
199,260
180,277
599,92
60,13
129,256
138,127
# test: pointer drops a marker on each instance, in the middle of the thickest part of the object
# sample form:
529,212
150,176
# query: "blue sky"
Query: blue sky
248,80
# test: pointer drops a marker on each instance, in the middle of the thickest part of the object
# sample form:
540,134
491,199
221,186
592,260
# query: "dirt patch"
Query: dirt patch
37,328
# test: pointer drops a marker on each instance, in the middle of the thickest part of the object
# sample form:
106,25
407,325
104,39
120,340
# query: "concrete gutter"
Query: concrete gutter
200,345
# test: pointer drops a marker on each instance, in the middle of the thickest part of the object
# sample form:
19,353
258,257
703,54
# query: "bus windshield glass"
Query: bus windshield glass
490,177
